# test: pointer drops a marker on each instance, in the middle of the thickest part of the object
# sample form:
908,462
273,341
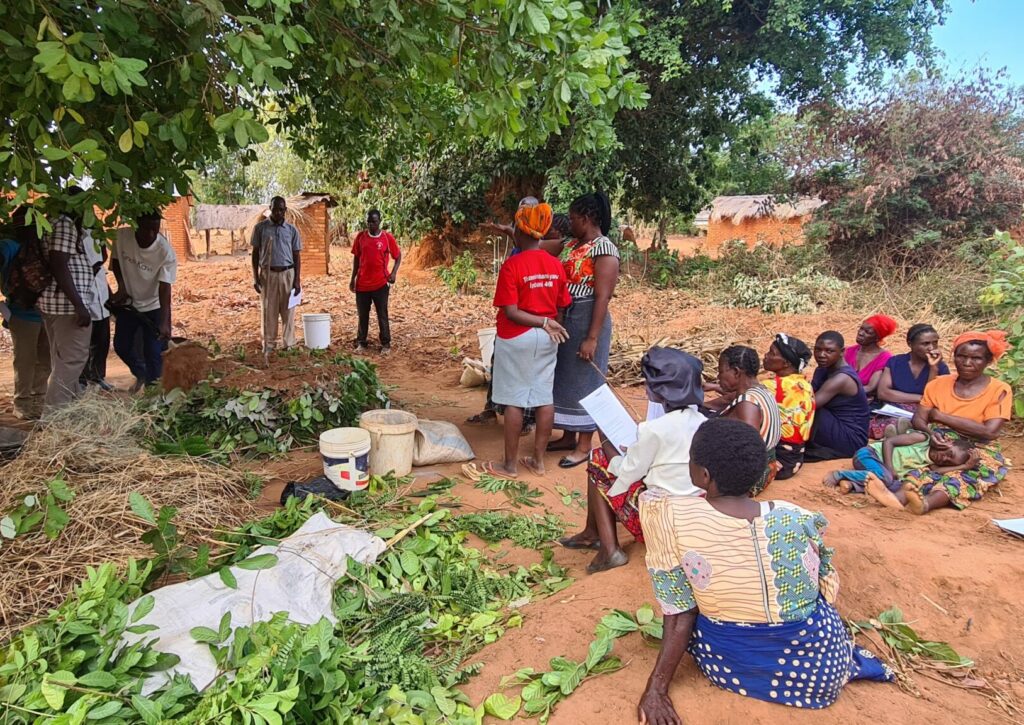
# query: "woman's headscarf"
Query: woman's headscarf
794,351
994,340
883,325
534,220
674,377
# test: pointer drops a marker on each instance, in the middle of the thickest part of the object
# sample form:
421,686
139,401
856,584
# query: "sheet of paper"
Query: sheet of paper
294,300
893,412
654,410
1012,526
611,417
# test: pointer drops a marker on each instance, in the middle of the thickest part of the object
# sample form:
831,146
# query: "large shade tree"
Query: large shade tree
129,96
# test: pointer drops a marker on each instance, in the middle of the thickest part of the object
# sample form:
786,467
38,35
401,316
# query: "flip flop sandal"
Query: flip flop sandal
568,543
617,559
489,469
567,462
482,418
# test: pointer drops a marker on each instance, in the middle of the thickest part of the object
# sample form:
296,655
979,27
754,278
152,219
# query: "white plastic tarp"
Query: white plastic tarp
301,583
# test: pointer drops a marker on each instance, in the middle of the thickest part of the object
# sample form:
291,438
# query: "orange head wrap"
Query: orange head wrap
883,325
534,220
994,340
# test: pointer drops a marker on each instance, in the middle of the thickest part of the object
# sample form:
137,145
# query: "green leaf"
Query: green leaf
144,607
205,634
410,563
645,614
59,488
538,20
228,577
139,505
52,153
149,711
53,690
256,563
56,520
566,92
501,707
107,709
224,630
125,141
98,679
7,527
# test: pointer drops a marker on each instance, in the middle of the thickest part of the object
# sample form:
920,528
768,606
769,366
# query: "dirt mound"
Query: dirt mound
184,366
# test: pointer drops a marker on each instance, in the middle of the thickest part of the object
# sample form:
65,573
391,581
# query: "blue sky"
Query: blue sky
986,33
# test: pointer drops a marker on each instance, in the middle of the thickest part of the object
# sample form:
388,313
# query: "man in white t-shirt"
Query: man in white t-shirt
145,267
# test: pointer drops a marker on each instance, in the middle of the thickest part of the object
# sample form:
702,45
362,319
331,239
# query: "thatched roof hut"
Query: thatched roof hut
237,216
738,209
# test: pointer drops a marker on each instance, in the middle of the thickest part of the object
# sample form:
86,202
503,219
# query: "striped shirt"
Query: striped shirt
771,418
578,260
66,238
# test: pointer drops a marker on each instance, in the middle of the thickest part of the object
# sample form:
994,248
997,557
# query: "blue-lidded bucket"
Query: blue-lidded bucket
346,456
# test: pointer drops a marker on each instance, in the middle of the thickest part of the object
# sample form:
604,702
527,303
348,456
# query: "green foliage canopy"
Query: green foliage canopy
132,95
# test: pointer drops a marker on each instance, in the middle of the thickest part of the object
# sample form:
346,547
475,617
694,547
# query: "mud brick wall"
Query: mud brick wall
177,225
312,224
753,231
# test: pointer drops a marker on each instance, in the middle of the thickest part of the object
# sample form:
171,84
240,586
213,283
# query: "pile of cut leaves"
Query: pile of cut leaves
405,628
219,420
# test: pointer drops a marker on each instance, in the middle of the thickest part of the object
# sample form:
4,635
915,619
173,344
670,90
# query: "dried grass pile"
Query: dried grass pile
626,353
96,444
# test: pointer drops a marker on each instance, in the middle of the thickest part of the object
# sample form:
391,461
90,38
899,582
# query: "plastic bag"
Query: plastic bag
438,441
320,486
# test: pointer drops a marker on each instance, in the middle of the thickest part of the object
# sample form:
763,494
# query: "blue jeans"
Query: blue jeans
146,360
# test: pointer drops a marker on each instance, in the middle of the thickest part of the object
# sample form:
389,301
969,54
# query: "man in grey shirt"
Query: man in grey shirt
276,271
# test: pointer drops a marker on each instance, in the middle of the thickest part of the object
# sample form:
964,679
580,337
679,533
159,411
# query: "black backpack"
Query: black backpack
29,274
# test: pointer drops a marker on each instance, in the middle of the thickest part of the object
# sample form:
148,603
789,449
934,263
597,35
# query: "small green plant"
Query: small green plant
1005,298
518,493
530,532
901,637
462,275
35,510
666,268
797,293
571,498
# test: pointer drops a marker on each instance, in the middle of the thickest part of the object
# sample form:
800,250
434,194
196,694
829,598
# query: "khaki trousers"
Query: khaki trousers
69,352
31,366
277,288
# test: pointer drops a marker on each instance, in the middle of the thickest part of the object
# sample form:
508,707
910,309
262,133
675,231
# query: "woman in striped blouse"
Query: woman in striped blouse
745,399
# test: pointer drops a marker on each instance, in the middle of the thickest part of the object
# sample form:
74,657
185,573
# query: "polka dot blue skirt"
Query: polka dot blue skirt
802,664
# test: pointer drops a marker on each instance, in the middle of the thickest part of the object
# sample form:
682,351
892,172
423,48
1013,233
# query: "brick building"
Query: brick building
756,219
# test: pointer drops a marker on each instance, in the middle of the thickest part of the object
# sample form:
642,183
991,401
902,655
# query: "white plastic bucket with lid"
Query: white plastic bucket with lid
316,329
486,339
346,453
392,440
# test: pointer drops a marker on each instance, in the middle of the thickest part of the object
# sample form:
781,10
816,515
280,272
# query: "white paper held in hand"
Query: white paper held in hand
294,299
893,412
611,417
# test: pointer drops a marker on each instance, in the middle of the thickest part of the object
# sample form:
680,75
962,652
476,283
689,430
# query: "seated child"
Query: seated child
879,468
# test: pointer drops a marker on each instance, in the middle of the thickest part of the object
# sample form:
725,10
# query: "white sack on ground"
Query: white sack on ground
301,583
438,441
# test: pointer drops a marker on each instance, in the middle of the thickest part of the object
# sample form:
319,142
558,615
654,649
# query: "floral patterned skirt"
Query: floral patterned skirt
962,487
877,424
625,506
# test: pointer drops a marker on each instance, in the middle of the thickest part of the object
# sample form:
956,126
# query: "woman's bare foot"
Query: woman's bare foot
565,443
877,490
916,503
603,562
582,540
501,470
533,466
845,486
831,480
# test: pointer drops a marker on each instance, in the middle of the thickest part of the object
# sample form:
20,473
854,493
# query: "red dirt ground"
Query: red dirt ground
956,577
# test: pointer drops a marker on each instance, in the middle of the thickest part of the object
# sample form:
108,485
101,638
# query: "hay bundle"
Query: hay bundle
95,443
626,354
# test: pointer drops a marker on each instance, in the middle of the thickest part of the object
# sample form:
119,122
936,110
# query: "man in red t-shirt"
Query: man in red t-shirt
371,280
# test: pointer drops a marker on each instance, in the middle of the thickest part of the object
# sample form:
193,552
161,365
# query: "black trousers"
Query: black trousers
99,346
379,299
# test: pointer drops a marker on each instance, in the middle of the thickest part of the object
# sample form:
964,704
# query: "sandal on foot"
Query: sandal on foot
567,462
491,469
569,542
617,559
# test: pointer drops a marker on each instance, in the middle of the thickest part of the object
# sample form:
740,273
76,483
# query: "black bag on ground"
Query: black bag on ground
320,486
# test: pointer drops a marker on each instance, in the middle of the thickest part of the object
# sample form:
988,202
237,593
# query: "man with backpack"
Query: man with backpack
64,305
22,319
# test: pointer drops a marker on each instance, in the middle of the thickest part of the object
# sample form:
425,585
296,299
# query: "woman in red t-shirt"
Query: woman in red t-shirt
531,292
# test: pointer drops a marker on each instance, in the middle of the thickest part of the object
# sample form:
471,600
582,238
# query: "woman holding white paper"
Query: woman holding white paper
658,464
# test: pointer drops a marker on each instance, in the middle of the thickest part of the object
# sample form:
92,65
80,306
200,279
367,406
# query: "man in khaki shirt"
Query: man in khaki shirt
276,273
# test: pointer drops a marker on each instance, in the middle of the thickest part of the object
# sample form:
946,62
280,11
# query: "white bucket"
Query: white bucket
316,328
345,453
392,440
486,339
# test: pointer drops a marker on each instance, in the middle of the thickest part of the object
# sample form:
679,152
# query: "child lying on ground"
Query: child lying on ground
879,467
